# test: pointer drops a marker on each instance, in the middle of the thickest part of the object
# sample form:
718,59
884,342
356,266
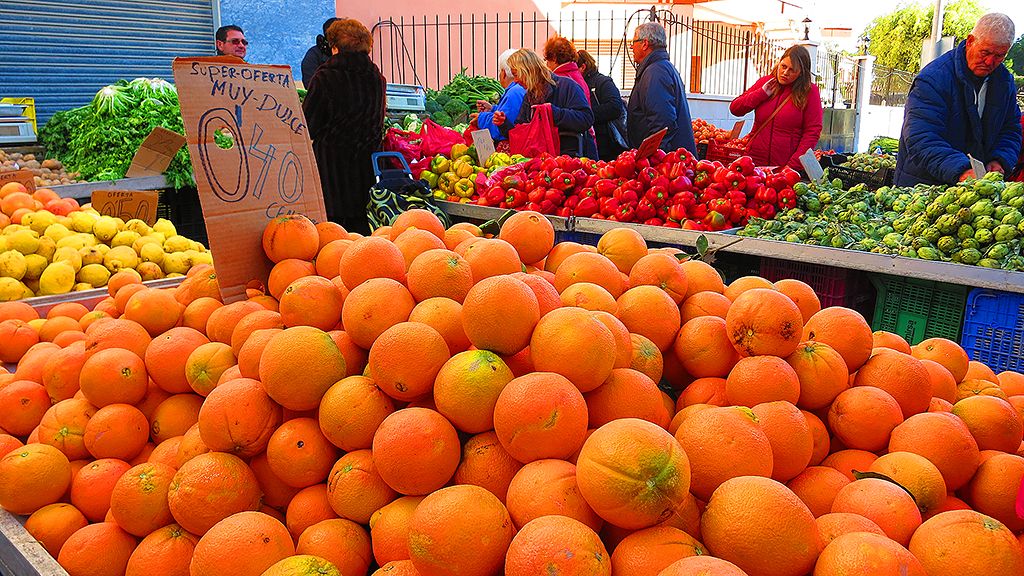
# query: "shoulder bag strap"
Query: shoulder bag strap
770,118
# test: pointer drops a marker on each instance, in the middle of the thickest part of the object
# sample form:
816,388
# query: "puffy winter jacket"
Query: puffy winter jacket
789,134
658,100
941,124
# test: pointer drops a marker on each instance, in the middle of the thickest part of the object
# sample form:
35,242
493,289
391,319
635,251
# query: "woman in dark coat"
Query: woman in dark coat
345,112
608,106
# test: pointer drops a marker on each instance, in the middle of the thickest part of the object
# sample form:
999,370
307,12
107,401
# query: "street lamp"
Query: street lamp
865,42
807,29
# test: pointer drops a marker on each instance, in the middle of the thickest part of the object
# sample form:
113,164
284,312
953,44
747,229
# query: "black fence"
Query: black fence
837,79
713,58
890,86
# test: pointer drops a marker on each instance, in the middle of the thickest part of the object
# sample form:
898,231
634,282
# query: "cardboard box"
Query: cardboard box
156,153
252,156
26,177
127,204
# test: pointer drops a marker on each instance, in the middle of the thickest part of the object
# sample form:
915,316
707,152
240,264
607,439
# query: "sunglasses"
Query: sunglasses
237,41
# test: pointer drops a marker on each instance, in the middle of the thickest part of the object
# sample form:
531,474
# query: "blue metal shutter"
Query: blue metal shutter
62,51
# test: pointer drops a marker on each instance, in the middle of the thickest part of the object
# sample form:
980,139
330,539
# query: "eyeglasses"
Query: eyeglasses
638,40
237,41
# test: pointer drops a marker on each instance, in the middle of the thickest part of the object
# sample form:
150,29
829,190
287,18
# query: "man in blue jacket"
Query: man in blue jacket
658,99
962,103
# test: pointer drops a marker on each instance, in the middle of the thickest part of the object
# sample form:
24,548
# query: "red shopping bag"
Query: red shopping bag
437,139
537,136
408,144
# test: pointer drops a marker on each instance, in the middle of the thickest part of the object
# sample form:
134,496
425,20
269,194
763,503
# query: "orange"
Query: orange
623,246
545,487
285,272
275,492
351,410
623,343
543,288
702,566
589,267
117,333
389,529
299,454
557,545
355,489
22,406
1012,383
197,313
574,343
156,310
966,542
589,296
419,219
762,321
822,442
703,391
167,355
701,277
399,373
209,488
328,258
466,389
915,473
849,460
93,485
55,327
540,415
16,338
704,347
817,486
63,427
902,376
290,236
113,376
33,476
459,530
886,504
416,451
491,257
174,416
634,474
866,554
201,282
662,271
883,339
942,438
206,364
969,387
167,550
993,490
244,543
499,314
307,507
789,436
724,443
238,417
559,252
864,417
300,350
645,357
116,431
397,568
485,463
530,233
994,422
943,385
341,542
626,394
97,549
53,524
845,331
413,242
311,301
745,283
301,564
437,273
138,501
758,379
835,524
17,310
328,232
371,257
822,374
945,352
802,295
704,303
651,550
762,527
373,307
651,312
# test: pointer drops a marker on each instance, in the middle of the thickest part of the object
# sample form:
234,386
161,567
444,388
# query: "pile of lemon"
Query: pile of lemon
50,254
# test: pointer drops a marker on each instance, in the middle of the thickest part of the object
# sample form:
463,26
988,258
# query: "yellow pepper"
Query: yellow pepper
462,169
459,150
447,180
463,188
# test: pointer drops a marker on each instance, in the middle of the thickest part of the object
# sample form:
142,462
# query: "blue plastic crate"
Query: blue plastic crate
994,329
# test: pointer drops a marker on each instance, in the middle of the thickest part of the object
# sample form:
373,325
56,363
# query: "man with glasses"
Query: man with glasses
231,41
962,103
658,99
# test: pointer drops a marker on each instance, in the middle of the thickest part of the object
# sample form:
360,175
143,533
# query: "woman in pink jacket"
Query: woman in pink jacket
787,111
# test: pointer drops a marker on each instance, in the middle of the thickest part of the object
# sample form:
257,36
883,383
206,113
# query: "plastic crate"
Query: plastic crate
834,286
852,177
724,154
994,329
918,309
579,237
733,266
183,209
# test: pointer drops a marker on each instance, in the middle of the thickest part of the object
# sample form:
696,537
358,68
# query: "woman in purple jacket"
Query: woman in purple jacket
787,111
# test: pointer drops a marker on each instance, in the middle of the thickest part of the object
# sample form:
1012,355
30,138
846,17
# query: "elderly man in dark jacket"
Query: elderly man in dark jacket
962,103
658,99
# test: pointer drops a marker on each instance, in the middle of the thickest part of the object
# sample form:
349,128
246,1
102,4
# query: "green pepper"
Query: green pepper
430,178
440,164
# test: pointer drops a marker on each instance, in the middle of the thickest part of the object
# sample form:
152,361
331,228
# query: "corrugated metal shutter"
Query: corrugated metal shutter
62,51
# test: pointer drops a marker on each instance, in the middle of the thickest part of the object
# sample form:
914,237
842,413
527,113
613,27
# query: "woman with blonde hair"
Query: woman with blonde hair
572,114
787,111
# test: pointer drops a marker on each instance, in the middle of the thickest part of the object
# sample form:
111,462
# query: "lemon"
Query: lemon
76,241
13,265
124,238
3,244
82,286
175,275
91,255
177,244
11,289
151,252
46,247
57,278
137,226
69,255
25,241
203,258
83,221
165,227
176,262
105,228
120,257
34,265
94,274
150,271
57,231
143,240
40,220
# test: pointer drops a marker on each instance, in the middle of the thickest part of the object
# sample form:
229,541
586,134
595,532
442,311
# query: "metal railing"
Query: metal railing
712,58
890,86
836,79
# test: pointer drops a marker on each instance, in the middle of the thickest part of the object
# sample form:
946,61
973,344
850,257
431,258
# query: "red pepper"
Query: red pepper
686,198
715,220
563,181
587,207
698,212
768,195
791,176
632,185
606,171
693,224
605,187
671,224
555,196
495,195
677,212
515,197
609,206
786,199
657,195
536,195
738,215
625,213
512,181
564,212
743,165
626,196
571,201
547,207
736,197
529,185
654,222
647,176
735,181
625,164
645,209
720,205
753,182
588,193
548,163
679,184
766,211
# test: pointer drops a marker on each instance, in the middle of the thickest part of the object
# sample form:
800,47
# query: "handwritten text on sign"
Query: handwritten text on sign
252,157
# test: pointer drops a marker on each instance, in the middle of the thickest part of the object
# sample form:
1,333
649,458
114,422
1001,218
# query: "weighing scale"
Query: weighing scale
15,127
405,99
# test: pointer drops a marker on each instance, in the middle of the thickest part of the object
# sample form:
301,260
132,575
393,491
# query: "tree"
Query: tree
1015,57
897,37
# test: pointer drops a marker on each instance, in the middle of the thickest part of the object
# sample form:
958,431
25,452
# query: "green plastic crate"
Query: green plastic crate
918,309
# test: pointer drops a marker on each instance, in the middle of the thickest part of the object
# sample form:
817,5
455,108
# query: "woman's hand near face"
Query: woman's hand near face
771,87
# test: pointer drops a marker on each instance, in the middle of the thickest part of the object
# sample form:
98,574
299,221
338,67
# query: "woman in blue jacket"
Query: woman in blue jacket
572,114
509,103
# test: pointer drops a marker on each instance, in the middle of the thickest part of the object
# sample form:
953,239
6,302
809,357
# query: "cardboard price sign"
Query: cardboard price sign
651,143
252,157
26,178
127,204
156,153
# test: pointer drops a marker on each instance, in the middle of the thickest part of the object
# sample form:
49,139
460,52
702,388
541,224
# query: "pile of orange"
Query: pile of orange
434,402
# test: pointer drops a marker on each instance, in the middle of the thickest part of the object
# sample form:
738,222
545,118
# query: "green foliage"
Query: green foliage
1015,57
897,37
